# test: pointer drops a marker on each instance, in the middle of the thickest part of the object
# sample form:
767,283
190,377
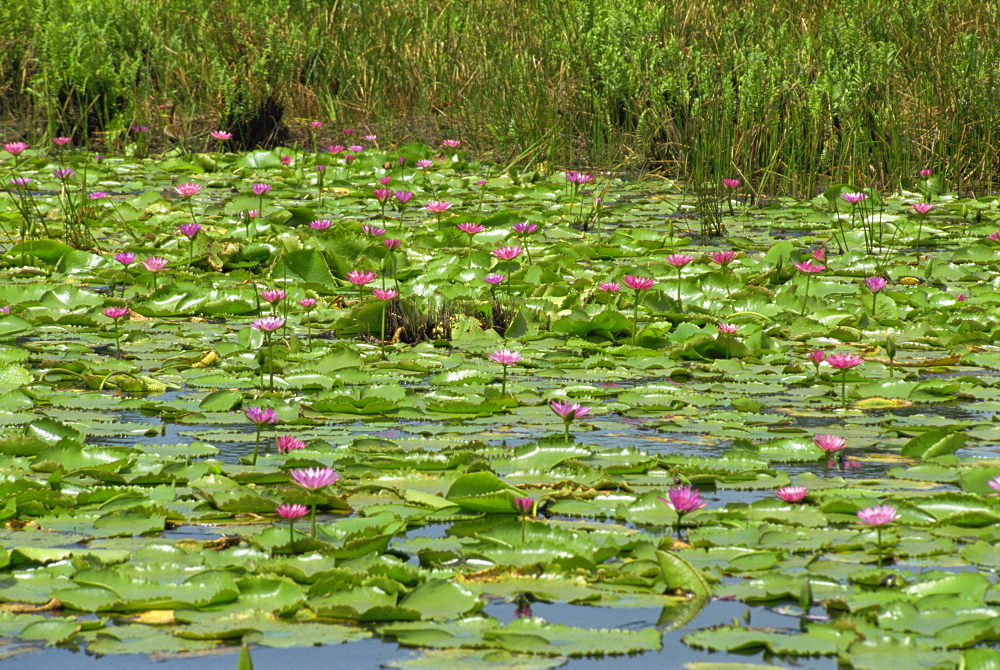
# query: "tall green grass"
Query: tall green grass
786,95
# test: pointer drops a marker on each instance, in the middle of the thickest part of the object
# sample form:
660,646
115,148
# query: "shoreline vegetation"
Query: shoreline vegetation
789,96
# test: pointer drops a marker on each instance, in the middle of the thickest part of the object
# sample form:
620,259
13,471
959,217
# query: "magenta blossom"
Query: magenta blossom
569,410
731,183
723,258
610,286
361,277
424,163
727,328
437,206
315,125
321,168
261,189
97,195
307,302
403,196
494,279
189,230
525,228
792,493
505,356
287,443
829,443
507,253
385,293
115,312
62,141
385,179
154,263
187,189
994,483
273,295
875,284
374,231
391,244
126,258
5,310
854,198
451,143
21,181
15,148
382,194
879,515
335,148
268,324
64,173
261,416
471,228
348,131
287,511
817,356
819,254
679,260
638,283
221,135
683,499
922,207
843,361
524,505
926,172
809,267
320,224
315,478
286,160
356,148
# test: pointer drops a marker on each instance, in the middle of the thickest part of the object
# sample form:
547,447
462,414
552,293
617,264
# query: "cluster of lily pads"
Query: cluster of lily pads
437,362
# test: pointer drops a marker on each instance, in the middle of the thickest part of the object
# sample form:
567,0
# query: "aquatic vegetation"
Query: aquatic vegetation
440,505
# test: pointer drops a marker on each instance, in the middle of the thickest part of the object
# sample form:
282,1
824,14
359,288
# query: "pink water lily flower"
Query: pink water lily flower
727,328
62,141
505,356
361,277
385,293
261,189
525,228
374,231
451,143
507,253
569,410
731,183
424,163
809,267
273,295
922,207
524,505
335,148
287,443
268,324
189,230
437,206
288,511
115,312
723,258
638,283
15,148
842,361
403,196
610,286
320,224
994,483
879,515
187,189
679,260
261,415
382,194
854,198
391,244
494,279
817,356
471,228
307,302
875,284
683,499
315,478
829,443
64,173
221,135
154,263
126,258
792,493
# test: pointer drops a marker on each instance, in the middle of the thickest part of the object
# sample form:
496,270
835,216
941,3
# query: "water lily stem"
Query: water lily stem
805,296
256,446
312,530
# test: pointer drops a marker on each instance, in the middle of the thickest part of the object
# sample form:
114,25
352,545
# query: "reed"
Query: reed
787,94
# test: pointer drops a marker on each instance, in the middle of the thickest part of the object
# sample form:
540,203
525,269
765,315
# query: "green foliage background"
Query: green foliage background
786,94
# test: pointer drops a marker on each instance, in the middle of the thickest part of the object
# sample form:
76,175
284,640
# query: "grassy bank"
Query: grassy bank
786,95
